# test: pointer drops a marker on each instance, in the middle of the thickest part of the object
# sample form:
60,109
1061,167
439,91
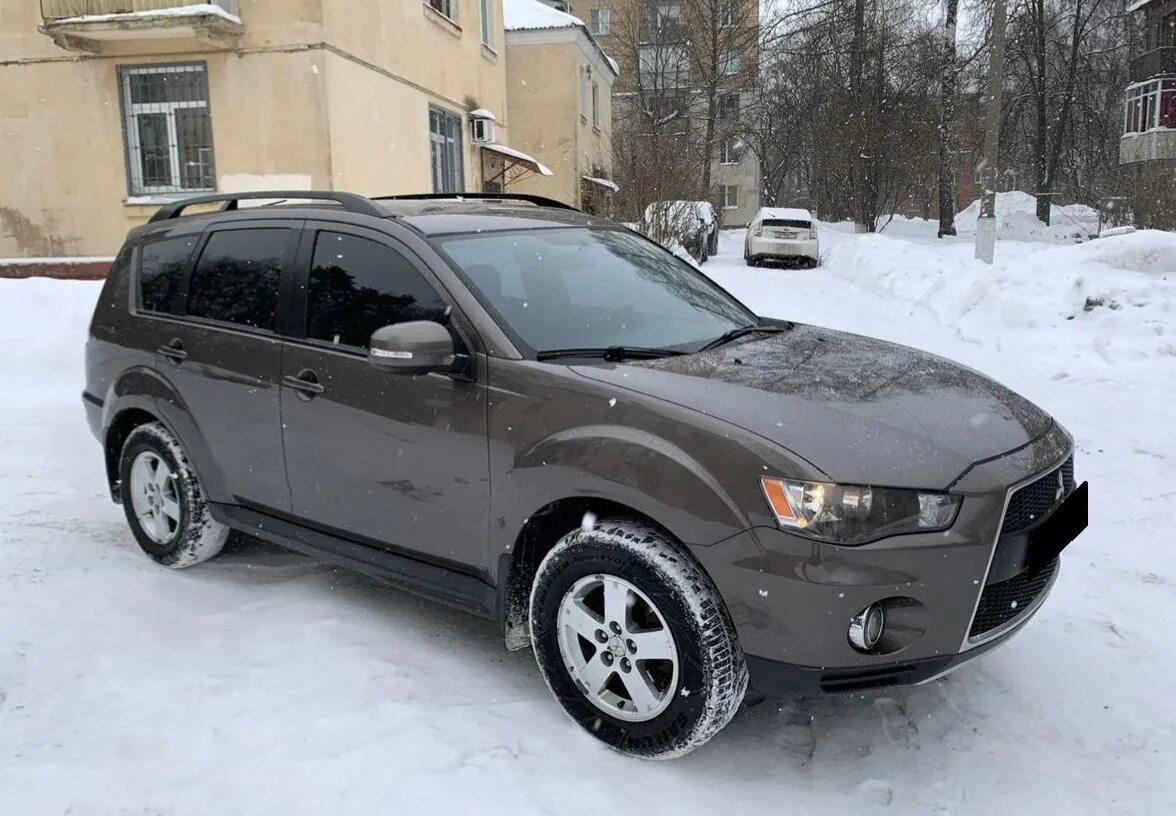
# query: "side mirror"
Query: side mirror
417,347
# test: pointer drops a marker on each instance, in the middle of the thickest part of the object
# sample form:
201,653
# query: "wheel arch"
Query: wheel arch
117,431
541,532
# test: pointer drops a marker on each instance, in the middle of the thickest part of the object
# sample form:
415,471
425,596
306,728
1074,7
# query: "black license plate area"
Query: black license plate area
1048,539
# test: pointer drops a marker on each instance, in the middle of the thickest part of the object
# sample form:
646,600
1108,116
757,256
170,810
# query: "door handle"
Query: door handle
305,383
174,351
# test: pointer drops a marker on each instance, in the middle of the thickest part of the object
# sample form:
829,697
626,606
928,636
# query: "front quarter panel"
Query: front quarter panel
556,435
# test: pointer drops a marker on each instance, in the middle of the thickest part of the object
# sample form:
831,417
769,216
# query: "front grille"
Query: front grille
1000,603
1033,502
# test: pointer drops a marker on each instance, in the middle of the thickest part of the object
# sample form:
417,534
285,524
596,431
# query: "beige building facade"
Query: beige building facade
109,108
571,131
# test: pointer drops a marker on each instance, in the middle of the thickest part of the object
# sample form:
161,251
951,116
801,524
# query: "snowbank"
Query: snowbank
1115,296
1016,215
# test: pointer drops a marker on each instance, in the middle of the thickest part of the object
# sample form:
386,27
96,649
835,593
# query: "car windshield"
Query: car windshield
585,288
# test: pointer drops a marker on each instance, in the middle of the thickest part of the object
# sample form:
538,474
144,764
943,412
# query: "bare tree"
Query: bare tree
948,84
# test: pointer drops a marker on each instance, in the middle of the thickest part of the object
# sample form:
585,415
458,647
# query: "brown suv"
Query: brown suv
541,417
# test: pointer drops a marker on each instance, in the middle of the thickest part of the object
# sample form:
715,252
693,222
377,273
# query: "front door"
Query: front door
390,460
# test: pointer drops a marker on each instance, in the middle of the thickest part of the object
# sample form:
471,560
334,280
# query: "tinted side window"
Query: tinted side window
236,279
357,286
161,268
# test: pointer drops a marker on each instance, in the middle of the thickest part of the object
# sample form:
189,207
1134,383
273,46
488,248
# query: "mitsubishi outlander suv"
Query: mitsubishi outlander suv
542,417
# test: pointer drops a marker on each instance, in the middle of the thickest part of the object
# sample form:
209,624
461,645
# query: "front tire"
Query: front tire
634,640
164,504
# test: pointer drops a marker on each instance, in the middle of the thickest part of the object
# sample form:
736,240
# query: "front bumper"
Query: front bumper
791,598
774,678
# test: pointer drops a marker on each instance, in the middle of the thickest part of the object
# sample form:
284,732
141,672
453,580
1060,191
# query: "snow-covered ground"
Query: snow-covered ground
266,683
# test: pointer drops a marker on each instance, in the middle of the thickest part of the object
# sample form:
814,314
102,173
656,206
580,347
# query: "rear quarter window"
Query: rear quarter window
161,269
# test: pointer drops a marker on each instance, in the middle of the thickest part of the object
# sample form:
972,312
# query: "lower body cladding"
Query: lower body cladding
777,249
815,617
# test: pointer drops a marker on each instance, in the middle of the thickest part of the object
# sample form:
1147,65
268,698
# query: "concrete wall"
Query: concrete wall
315,93
550,106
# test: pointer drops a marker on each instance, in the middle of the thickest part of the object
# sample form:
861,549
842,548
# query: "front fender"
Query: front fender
632,467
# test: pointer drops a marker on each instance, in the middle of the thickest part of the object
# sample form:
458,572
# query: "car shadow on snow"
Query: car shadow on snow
830,734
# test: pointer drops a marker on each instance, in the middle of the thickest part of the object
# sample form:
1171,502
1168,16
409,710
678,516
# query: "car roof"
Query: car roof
786,213
429,217
455,216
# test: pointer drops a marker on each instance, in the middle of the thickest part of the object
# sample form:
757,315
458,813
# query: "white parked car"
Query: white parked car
782,234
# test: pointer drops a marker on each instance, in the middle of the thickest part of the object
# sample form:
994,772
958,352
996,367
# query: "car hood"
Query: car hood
863,411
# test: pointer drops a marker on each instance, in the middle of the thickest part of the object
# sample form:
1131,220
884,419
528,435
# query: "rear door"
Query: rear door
393,461
223,357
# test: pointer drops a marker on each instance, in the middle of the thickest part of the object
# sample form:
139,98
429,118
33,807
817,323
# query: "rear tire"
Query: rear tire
590,654
163,502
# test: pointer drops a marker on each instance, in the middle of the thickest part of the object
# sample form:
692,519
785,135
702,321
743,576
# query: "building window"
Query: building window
729,107
595,105
446,151
667,65
731,62
599,20
727,13
446,7
730,196
664,15
1150,105
168,129
731,150
488,23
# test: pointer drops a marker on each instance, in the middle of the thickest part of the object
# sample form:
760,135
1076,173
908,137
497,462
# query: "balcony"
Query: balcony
1154,63
87,25
1149,122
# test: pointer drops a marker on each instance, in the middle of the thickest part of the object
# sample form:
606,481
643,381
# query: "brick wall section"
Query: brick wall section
64,268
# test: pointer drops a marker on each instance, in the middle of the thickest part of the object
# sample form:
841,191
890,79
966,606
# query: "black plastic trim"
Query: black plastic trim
446,584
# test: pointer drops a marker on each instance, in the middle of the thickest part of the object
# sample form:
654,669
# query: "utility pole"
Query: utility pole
986,224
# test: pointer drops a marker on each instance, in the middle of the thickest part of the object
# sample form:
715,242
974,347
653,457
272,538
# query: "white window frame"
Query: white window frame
671,17
727,14
488,23
730,196
665,62
1149,95
131,112
595,104
446,8
732,62
600,21
728,151
451,144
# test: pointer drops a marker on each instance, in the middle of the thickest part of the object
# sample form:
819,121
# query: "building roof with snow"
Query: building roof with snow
531,15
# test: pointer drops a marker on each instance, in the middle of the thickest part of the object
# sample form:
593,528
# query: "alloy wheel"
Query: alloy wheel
617,647
154,497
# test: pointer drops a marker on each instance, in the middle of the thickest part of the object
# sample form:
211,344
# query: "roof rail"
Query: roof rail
537,200
350,202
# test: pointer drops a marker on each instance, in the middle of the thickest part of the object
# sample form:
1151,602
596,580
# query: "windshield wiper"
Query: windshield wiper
742,331
610,354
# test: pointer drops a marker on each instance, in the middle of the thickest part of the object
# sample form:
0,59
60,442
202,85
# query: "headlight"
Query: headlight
843,514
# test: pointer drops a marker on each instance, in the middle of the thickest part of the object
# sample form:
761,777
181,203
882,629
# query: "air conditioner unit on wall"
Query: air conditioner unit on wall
483,130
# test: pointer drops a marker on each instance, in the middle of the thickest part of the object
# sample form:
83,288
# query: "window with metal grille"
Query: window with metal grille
446,151
168,129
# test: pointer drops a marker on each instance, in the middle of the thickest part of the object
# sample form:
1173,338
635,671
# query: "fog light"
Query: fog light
865,629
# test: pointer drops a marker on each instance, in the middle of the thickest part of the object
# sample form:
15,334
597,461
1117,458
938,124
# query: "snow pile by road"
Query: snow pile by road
1115,297
1016,216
